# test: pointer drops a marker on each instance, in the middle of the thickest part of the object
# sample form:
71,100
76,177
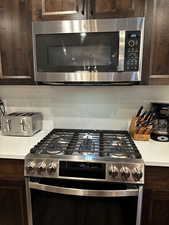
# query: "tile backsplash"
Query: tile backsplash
83,107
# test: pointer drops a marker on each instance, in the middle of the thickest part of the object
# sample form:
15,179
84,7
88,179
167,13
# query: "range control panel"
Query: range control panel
85,170
132,50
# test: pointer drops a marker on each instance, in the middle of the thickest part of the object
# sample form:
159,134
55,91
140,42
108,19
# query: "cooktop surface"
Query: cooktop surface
99,143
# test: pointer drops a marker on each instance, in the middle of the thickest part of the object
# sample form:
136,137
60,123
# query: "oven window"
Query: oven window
77,52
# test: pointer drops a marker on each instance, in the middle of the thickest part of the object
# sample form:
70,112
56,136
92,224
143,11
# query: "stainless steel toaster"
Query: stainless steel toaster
21,124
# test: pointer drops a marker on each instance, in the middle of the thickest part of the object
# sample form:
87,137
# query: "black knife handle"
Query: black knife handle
139,112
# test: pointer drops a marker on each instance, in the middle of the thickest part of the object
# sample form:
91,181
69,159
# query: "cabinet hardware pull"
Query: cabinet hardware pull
1,73
92,6
83,6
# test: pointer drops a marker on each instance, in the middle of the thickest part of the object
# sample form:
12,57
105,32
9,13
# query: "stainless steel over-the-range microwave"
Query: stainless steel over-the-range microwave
88,51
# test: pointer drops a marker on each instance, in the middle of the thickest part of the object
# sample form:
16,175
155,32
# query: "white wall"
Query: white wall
83,107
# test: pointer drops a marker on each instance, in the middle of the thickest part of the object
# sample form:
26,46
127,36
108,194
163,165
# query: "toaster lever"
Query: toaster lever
8,125
22,123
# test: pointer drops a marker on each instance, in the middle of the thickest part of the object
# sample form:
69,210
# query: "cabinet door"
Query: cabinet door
117,8
159,62
156,207
156,196
58,9
15,41
12,207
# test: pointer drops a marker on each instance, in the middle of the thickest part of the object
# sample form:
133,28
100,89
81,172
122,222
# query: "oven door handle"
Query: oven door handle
84,192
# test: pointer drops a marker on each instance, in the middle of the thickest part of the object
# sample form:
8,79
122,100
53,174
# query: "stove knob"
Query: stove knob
125,172
52,167
137,173
30,166
113,171
41,167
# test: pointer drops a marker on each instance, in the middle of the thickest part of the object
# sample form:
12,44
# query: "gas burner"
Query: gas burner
87,143
58,144
87,136
55,152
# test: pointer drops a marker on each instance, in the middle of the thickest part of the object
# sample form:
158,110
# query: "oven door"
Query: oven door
83,51
65,202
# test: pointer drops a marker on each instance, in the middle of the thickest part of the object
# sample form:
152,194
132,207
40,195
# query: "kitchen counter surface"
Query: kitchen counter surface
153,153
18,147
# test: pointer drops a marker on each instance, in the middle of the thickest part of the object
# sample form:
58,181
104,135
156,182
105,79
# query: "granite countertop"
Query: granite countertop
153,153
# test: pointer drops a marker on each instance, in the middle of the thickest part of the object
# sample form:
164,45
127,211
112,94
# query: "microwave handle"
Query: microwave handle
121,59
84,192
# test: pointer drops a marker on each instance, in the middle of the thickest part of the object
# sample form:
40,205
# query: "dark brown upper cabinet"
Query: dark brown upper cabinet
58,9
117,8
16,64
159,42
86,9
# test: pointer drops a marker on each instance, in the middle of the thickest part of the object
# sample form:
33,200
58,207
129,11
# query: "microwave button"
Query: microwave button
131,43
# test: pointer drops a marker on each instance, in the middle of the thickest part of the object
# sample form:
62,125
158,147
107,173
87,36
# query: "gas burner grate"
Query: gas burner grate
112,144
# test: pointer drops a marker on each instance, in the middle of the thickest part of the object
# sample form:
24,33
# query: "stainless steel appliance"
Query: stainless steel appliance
88,51
160,130
84,177
21,123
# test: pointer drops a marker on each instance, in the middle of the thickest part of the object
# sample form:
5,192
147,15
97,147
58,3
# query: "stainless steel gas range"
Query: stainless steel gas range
84,164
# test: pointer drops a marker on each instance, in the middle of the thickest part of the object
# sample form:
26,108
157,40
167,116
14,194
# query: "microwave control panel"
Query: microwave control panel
132,50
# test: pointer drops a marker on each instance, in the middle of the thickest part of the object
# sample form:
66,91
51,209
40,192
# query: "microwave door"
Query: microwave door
78,57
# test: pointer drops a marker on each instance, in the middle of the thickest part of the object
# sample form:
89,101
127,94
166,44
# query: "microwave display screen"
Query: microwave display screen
77,52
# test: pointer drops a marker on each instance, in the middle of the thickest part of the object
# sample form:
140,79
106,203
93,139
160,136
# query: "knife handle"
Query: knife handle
139,111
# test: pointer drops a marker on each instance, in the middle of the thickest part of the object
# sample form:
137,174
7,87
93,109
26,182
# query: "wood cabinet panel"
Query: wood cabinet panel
156,196
58,9
12,192
12,207
16,39
157,177
160,48
118,8
12,169
61,5
159,66
155,207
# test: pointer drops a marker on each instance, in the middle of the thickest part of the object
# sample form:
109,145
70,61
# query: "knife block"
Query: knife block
134,131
